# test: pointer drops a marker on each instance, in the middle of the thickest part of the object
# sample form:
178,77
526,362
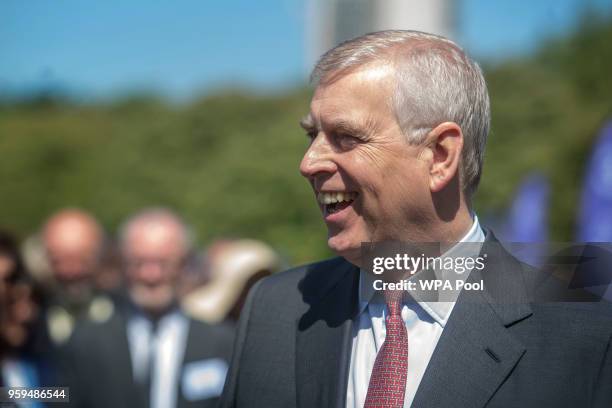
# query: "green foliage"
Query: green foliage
547,110
229,162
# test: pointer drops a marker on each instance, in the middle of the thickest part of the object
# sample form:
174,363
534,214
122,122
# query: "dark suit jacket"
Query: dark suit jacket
98,369
502,347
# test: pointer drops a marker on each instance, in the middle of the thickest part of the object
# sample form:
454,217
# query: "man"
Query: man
397,127
73,240
149,353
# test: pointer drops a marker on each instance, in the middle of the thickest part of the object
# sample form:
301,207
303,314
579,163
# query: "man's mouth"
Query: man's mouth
335,201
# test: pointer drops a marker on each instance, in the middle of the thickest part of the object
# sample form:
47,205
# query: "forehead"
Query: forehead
364,93
155,235
70,237
153,231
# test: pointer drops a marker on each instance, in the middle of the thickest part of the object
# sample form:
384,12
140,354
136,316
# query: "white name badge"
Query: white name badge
204,379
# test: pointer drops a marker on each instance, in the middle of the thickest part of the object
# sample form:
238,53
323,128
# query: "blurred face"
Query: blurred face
370,184
6,269
18,309
71,263
72,247
21,313
154,254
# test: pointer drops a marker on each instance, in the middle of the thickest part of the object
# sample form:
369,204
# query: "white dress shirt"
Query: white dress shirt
159,354
425,321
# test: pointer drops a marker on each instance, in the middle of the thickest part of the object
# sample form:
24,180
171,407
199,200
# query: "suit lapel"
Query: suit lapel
119,352
323,337
476,352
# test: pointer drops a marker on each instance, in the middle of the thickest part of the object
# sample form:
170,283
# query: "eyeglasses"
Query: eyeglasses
164,264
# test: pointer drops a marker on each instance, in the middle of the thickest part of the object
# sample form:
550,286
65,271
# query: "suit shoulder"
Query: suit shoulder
293,288
578,310
291,278
545,286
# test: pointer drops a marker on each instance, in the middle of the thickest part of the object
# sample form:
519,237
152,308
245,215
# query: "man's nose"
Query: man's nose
318,158
150,273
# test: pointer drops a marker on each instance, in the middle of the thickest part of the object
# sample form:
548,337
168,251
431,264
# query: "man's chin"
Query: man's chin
153,301
347,249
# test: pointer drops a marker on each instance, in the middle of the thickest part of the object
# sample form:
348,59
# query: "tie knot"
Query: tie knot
393,298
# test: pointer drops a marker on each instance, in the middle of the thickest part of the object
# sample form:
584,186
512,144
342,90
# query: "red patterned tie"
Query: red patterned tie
388,380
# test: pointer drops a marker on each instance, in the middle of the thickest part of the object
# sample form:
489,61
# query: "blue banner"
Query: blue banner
528,218
595,217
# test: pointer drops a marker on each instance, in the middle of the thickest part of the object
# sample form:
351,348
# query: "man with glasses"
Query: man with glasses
150,354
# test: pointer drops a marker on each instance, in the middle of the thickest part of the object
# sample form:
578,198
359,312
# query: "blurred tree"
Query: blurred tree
547,110
229,162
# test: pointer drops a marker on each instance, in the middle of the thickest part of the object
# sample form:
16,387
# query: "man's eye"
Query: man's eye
311,135
346,139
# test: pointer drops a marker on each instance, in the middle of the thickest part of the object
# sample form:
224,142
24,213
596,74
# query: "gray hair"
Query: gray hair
436,82
155,214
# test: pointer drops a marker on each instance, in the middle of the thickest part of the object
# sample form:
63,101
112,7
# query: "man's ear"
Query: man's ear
446,143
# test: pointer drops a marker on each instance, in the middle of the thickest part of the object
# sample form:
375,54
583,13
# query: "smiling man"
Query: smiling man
375,180
397,129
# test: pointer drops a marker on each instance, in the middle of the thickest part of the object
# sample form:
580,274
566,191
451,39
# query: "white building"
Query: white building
330,22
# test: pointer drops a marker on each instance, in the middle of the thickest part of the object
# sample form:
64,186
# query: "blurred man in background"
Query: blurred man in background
149,353
73,241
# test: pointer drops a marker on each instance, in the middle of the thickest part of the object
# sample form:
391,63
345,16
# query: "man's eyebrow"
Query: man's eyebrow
344,126
364,130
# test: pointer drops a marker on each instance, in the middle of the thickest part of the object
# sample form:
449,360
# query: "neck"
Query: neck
452,217
436,231
453,231
447,230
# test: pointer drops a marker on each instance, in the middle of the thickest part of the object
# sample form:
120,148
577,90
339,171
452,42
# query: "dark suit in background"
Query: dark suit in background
99,370
503,347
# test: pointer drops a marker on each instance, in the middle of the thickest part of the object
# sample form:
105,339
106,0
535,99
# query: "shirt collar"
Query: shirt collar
439,311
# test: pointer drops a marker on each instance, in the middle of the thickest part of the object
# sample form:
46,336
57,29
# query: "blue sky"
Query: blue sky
182,48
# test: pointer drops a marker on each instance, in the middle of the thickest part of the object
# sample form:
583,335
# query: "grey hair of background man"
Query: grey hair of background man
152,215
436,82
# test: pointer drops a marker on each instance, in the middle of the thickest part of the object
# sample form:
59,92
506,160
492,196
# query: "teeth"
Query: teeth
332,198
